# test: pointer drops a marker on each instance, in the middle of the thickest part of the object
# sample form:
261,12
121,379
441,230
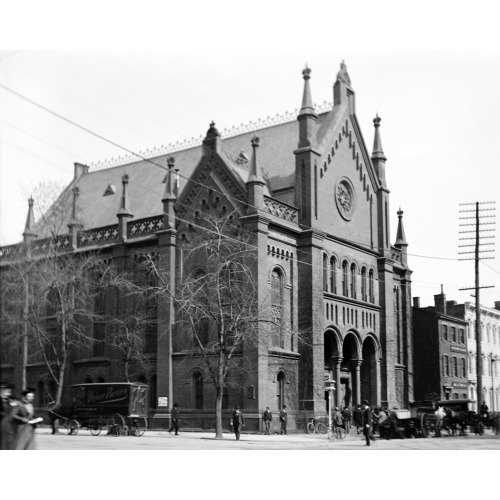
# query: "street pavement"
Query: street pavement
162,440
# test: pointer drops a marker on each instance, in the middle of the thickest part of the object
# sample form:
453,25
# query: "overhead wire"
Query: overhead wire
148,160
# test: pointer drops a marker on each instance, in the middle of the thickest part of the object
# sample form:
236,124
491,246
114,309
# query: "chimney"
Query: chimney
416,302
497,305
440,302
80,170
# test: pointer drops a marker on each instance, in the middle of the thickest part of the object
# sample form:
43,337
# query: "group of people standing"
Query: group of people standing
17,425
267,418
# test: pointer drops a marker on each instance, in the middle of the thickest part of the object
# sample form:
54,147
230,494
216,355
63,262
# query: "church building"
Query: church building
317,203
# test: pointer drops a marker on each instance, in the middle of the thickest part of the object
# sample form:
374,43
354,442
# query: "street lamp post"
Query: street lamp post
330,387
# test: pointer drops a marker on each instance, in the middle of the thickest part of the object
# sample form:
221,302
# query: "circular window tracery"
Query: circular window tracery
345,197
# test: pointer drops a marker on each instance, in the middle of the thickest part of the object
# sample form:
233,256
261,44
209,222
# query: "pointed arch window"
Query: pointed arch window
344,279
277,308
333,275
353,281
363,284
325,274
371,287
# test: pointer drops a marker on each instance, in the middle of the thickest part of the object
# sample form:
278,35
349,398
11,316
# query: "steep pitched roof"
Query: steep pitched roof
145,188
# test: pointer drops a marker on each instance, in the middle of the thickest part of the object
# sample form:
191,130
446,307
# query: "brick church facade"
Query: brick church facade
316,203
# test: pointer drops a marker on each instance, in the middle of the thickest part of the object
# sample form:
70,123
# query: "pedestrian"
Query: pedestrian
346,414
338,419
7,428
375,419
283,419
23,417
383,423
484,410
267,418
174,419
366,421
237,421
357,418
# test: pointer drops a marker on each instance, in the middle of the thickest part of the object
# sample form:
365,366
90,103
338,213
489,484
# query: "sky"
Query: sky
440,120
145,75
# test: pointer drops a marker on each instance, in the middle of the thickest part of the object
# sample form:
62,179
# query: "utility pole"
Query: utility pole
478,212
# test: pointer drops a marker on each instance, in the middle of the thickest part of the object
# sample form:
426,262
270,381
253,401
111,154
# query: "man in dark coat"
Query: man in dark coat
174,417
283,418
267,418
237,421
357,418
366,421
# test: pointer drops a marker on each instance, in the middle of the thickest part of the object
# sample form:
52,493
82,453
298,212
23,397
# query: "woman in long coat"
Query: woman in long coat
24,412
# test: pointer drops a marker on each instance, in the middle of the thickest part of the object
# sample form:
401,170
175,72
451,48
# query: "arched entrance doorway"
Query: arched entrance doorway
349,393
332,361
369,372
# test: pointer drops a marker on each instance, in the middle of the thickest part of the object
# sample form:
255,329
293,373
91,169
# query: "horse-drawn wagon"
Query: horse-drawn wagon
120,407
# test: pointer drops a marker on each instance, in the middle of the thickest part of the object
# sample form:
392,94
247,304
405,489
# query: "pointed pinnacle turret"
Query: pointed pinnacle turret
29,227
307,104
170,182
378,152
400,236
254,172
124,205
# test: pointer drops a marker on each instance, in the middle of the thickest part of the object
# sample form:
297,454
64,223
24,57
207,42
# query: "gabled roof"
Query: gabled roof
145,188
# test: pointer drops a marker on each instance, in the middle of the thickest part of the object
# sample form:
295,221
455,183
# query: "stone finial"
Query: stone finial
124,203
378,152
343,75
29,232
400,235
170,183
307,108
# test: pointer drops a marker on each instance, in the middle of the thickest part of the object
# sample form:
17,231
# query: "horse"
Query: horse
58,411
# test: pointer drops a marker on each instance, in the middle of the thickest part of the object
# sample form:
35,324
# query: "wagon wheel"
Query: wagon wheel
480,428
118,422
72,426
424,426
95,427
140,424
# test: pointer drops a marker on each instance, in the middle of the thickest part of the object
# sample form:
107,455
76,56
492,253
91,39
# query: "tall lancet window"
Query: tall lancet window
353,281
277,308
333,275
325,274
344,279
363,284
397,325
371,296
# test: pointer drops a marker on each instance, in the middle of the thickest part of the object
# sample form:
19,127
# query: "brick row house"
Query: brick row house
316,203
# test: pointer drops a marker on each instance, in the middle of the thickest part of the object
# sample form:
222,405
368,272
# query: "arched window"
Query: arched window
281,389
344,279
371,295
198,390
363,284
88,380
353,281
325,274
101,380
225,398
333,275
276,308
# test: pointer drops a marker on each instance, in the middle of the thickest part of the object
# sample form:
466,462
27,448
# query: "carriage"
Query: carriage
119,407
458,415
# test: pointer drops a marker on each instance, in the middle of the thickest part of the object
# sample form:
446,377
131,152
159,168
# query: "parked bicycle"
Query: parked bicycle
336,432
315,426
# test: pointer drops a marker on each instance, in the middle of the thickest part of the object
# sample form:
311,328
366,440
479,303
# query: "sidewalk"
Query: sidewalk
210,435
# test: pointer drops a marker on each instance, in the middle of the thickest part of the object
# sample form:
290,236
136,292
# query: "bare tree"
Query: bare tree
220,314
48,290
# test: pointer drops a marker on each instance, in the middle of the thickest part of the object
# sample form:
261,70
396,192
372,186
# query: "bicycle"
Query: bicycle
337,432
315,426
